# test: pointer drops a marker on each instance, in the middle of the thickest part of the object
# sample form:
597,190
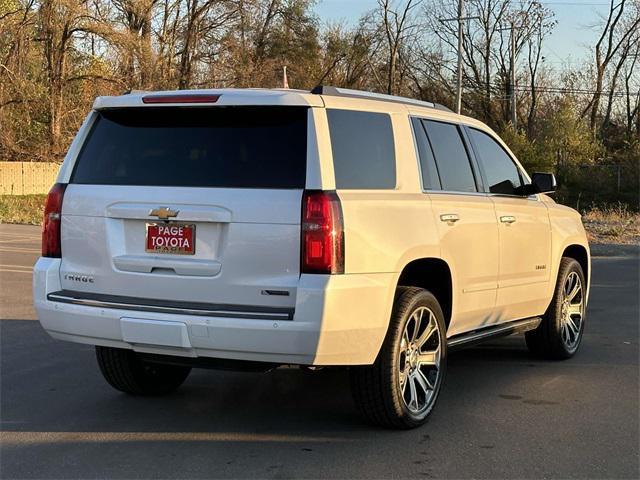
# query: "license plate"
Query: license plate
176,238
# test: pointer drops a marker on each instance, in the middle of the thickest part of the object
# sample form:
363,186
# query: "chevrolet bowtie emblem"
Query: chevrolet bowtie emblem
164,213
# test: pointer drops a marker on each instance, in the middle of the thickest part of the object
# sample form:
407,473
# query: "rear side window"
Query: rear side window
501,172
228,147
363,149
428,168
451,155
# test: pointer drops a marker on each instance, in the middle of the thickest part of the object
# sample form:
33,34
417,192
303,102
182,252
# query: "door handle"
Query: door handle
449,217
507,219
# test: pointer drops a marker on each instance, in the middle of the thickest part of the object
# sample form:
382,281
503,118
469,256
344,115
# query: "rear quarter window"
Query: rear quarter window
363,149
226,147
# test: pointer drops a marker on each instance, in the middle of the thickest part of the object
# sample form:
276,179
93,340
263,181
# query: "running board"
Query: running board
477,336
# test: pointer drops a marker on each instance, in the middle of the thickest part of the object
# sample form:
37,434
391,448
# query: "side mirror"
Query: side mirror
541,183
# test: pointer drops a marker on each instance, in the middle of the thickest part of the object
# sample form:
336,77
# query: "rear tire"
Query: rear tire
401,388
559,335
125,371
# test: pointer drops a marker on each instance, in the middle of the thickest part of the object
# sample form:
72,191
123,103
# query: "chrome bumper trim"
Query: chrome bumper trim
161,306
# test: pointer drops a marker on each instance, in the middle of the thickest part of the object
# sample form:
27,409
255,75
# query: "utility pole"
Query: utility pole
460,18
512,74
514,114
459,71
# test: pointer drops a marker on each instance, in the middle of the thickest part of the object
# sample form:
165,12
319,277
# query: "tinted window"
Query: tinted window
501,173
451,157
237,147
363,149
430,177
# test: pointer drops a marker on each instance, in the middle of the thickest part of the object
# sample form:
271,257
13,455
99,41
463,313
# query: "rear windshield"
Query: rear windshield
228,147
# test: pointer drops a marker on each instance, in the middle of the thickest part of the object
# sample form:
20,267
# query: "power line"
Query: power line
559,4
564,90
579,4
577,91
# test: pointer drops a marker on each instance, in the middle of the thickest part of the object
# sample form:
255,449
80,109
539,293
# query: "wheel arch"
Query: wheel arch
433,274
580,254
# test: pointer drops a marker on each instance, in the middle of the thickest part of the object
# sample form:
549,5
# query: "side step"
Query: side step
502,330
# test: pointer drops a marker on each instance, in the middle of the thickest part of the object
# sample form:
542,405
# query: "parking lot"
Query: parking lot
501,414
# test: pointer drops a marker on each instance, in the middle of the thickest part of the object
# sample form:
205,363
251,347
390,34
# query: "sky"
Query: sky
570,42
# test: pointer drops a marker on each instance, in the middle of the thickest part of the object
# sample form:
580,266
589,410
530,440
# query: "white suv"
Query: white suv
258,228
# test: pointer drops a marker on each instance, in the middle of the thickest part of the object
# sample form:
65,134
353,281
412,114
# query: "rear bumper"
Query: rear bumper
338,320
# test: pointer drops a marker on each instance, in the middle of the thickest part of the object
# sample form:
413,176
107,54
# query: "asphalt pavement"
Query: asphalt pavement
501,414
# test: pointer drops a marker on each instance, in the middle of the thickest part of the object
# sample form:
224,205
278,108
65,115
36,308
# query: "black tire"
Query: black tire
546,341
125,371
376,388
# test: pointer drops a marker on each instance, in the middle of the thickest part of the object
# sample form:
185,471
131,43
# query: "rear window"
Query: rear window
363,149
227,147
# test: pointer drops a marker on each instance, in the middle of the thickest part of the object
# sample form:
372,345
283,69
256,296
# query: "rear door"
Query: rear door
465,219
188,205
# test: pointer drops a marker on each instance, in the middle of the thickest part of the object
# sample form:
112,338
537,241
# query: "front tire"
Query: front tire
401,388
559,335
125,371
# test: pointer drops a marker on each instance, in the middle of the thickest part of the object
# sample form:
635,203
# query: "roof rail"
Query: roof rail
345,92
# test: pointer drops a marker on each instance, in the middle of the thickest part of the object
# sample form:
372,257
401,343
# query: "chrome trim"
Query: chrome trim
451,192
517,326
532,198
449,217
256,313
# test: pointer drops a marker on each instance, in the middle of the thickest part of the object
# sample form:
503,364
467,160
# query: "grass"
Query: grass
26,209
613,224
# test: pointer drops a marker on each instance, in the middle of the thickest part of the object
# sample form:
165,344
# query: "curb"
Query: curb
614,250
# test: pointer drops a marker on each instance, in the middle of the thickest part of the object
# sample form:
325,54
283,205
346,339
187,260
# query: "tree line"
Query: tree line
581,120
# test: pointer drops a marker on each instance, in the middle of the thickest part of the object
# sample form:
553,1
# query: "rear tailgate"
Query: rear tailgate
188,205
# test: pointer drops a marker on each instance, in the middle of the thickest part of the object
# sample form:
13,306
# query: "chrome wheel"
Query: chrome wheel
572,311
419,360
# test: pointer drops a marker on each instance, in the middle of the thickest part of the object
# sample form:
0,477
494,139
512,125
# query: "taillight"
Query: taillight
51,222
322,233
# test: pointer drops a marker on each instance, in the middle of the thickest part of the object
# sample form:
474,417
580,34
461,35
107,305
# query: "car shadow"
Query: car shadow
37,370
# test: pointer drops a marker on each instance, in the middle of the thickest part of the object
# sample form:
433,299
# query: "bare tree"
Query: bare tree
59,22
397,30
615,35
622,58
632,102
137,15
541,22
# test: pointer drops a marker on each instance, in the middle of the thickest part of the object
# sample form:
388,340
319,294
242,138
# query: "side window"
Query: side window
430,176
501,172
363,149
451,155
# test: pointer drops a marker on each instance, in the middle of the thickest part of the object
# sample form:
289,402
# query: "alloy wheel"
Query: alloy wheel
572,311
419,360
